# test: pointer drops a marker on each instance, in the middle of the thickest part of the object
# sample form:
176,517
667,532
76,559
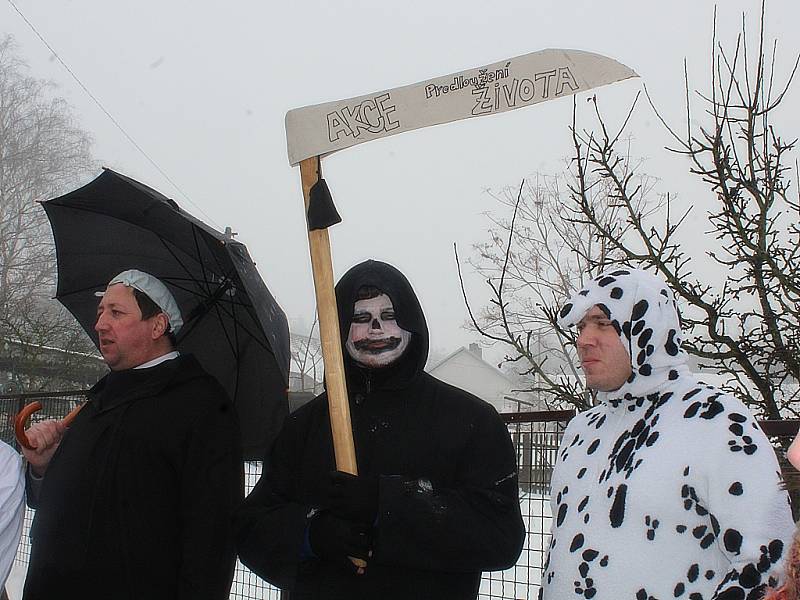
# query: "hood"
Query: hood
643,310
408,312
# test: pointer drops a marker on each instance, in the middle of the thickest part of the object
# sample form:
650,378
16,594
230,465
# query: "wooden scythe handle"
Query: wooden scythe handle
22,418
322,268
338,406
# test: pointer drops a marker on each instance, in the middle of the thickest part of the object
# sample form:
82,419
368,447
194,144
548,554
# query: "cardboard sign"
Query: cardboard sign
499,87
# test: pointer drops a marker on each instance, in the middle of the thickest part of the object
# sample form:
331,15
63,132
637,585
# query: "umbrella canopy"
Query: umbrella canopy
232,323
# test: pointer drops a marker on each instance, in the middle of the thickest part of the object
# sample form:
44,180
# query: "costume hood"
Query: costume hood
408,311
642,309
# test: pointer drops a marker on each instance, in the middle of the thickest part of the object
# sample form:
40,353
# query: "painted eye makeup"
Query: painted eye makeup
361,318
388,315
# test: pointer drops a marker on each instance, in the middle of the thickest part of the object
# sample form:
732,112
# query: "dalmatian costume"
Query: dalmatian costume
667,488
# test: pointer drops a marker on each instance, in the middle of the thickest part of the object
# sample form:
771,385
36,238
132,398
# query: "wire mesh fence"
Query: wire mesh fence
536,437
246,584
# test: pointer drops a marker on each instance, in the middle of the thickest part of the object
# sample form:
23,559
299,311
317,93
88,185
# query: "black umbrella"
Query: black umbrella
232,324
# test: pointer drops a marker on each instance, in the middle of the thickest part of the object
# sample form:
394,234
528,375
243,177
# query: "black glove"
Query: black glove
351,497
336,539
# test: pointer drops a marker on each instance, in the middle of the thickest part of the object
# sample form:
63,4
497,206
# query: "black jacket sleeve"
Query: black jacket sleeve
473,525
33,486
211,490
269,527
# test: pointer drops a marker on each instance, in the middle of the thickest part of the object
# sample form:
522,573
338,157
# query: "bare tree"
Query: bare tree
306,359
745,323
743,320
42,153
531,263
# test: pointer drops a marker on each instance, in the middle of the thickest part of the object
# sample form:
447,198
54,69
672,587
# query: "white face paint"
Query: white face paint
375,339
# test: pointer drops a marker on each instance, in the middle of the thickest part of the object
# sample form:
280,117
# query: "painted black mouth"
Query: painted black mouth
377,346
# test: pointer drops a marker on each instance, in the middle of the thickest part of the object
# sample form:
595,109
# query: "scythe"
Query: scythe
315,131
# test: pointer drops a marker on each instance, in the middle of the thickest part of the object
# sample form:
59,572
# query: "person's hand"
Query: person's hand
352,497
340,541
45,436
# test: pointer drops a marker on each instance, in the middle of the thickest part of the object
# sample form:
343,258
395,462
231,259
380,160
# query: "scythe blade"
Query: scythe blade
499,87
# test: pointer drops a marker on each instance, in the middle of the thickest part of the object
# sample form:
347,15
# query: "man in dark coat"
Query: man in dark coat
436,499
134,500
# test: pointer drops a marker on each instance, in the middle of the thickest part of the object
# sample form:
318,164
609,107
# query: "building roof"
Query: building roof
465,356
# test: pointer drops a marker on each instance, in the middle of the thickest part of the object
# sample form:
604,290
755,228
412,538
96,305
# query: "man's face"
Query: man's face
604,359
793,453
375,339
126,341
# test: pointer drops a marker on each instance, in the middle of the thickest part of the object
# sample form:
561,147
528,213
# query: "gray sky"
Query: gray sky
203,87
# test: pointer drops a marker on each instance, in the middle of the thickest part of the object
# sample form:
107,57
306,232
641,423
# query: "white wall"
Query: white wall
475,376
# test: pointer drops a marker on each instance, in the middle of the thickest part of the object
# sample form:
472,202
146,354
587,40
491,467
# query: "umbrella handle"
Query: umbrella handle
22,417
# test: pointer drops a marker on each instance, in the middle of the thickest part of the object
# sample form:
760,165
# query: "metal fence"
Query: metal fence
536,436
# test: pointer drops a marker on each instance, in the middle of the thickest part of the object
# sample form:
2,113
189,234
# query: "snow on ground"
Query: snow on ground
16,579
521,582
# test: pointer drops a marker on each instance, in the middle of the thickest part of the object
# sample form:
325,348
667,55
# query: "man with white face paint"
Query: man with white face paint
436,499
375,339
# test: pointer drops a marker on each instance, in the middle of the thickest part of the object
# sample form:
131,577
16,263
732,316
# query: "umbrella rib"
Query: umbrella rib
139,227
199,311
220,303
219,306
202,263
238,362
171,280
194,292
216,259
204,281
180,262
190,326
187,329
201,294
233,348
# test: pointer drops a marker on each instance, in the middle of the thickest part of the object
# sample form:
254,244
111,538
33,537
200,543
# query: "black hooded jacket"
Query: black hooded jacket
448,504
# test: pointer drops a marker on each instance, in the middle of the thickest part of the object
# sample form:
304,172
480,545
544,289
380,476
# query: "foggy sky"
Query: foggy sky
203,88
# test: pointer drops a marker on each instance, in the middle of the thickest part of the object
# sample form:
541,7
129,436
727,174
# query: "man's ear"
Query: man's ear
160,325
